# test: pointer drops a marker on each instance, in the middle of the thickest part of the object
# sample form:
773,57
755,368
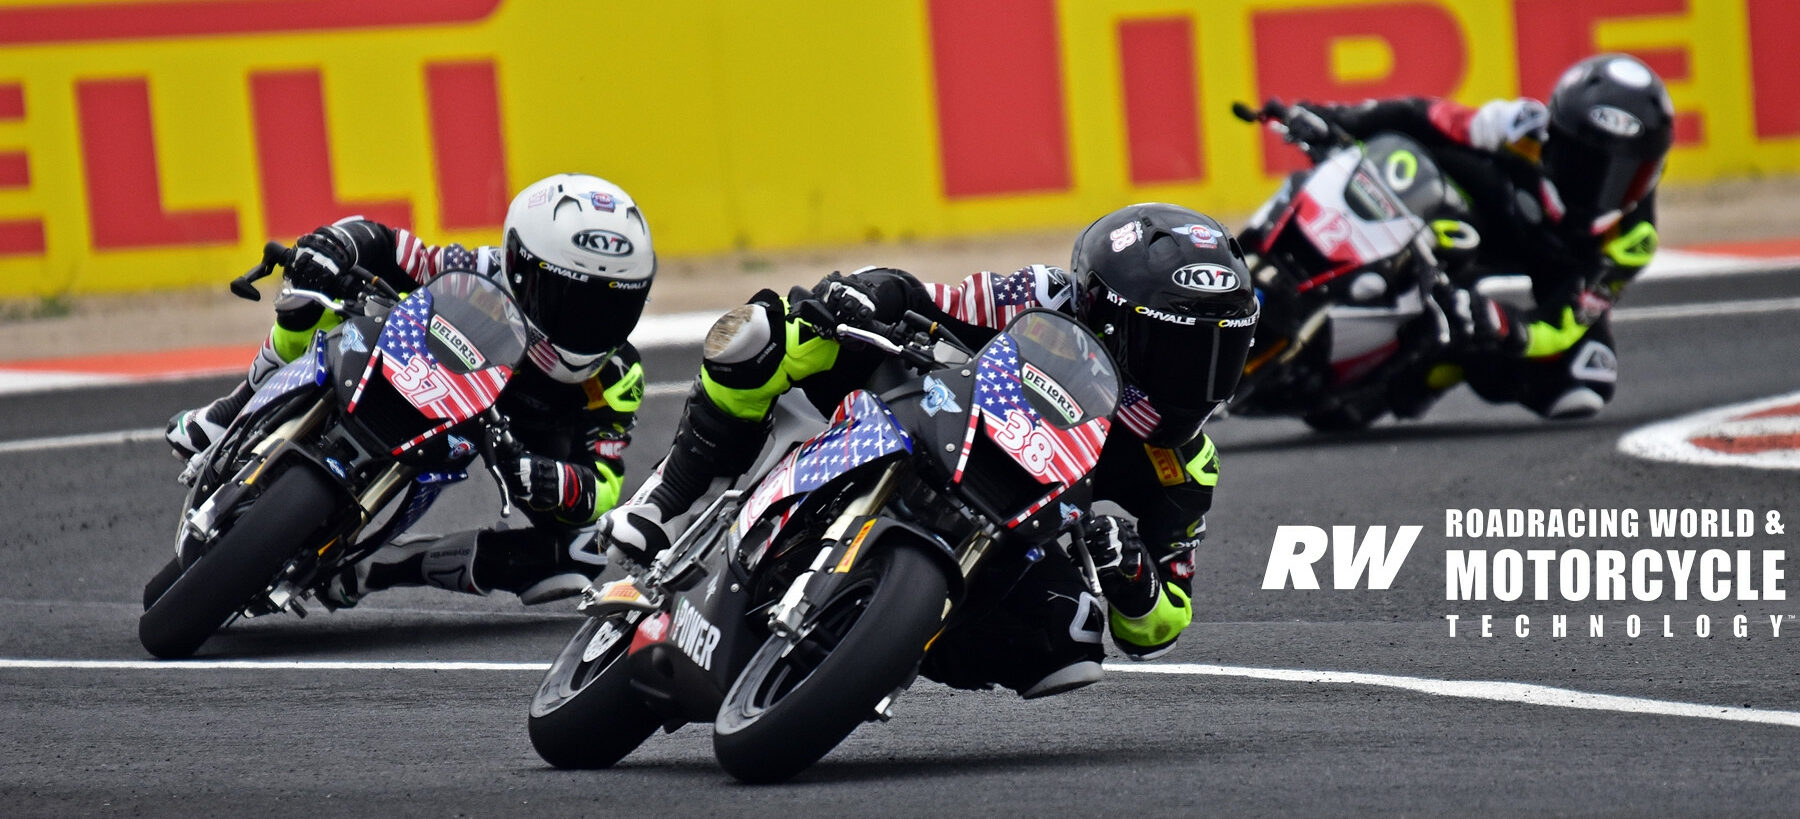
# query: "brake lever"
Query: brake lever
274,253
495,436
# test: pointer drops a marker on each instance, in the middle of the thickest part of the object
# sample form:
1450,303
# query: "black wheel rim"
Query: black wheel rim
786,672
595,647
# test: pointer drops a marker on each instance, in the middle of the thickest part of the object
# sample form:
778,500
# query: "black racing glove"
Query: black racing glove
1127,574
548,485
322,262
1477,324
1310,124
850,301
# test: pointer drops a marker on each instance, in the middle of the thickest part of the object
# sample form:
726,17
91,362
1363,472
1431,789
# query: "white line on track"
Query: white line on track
90,439
135,435
1522,693
1710,308
1512,692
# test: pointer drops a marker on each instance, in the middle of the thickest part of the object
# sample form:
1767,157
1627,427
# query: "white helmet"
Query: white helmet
579,259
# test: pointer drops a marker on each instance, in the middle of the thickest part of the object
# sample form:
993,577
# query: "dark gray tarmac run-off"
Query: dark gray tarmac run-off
84,527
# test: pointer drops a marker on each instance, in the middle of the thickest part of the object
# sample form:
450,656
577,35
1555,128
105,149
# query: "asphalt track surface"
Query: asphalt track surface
325,723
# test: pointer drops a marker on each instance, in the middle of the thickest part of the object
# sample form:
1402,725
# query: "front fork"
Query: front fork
198,525
788,613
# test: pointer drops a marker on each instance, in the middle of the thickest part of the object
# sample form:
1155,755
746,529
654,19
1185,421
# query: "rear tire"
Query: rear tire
785,712
586,715
240,566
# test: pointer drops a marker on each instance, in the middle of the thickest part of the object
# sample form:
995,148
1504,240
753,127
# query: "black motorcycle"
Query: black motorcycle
1344,257
338,452
796,608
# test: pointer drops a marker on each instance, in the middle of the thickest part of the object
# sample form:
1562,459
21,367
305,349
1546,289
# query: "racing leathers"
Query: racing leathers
1556,358
1046,635
570,440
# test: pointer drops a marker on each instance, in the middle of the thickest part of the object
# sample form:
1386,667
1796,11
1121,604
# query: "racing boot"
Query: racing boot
191,432
536,565
1414,391
1579,384
711,449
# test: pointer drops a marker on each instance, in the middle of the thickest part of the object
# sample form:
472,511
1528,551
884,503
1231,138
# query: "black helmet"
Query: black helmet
1167,291
1611,123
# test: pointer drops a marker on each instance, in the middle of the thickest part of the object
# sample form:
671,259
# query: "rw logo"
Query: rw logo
1297,548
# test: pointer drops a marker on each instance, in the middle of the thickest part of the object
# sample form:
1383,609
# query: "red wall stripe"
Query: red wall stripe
15,171
1162,125
1775,66
22,237
294,156
124,191
471,152
998,68
12,101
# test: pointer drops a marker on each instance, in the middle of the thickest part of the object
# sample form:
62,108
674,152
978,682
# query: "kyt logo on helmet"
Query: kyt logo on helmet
604,242
1207,278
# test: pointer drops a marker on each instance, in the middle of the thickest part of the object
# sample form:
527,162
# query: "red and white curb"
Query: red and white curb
1762,434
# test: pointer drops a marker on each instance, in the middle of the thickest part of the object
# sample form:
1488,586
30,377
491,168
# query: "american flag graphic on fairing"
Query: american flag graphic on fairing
414,371
861,431
1048,453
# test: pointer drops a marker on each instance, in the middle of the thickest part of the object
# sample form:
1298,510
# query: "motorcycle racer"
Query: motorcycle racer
577,257
1564,192
1165,289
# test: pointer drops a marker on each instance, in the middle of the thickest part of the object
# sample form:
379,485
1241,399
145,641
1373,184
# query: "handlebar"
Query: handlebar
913,339
1297,125
277,255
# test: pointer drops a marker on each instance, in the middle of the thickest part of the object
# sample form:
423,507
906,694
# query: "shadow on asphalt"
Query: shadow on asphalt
945,765
417,635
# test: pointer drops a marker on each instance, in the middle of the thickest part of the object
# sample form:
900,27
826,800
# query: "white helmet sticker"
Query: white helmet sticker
1614,121
1629,72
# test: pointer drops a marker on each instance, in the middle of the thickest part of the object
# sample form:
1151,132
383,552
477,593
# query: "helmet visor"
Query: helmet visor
1186,364
581,313
1593,181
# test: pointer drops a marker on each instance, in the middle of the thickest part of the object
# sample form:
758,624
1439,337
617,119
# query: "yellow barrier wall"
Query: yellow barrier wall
150,144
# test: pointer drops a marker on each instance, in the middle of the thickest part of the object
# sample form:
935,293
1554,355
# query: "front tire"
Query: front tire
790,707
585,714
240,566
161,581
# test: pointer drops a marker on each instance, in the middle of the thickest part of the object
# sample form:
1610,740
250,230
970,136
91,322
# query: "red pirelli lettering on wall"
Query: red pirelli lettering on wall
294,157
470,151
124,190
1555,34
1775,66
1293,49
78,22
1162,124
998,69
17,236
